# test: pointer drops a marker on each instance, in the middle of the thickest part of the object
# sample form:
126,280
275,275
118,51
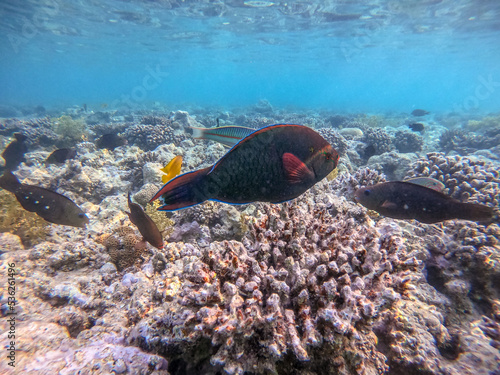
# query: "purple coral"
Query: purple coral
465,178
298,282
148,137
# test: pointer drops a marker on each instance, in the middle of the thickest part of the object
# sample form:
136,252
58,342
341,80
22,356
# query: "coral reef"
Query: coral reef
318,285
162,221
335,139
70,130
465,178
123,246
406,141
14,219
347,183
155,120
300,281
148,137
222,221
376,141
393,164
39,131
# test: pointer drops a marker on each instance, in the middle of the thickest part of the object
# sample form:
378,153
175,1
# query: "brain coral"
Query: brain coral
123,246
303,284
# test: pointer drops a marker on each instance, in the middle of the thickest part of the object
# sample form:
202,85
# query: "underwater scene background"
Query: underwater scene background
104,103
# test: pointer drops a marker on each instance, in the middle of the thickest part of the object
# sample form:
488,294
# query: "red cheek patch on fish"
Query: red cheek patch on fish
296,171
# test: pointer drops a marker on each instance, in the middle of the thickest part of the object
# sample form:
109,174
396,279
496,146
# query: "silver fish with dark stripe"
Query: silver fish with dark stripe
227,135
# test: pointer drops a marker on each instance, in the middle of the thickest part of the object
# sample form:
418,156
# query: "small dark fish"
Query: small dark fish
110,141
61,155
51,206
419,112
273,164
417,127
146,226
14,152
406,200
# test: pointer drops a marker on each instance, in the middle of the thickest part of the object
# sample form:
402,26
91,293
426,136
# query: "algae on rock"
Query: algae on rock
30,227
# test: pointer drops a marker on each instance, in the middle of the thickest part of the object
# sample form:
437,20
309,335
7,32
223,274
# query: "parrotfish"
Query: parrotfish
406,200
51,206
419,112
14,152
172,169
145,224
273,164
61,155
227,135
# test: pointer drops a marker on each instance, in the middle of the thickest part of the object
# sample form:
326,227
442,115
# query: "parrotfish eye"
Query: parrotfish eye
366,192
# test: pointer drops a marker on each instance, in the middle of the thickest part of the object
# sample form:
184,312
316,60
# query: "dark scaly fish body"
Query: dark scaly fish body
419,112
49,205
273,164
146,226
61,155
405,200
14,152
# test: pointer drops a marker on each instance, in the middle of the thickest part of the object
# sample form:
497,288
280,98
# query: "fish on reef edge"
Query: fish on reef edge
49,205
110,141
417,127
14,152
61,155
226,135
273,164
145,224
406,200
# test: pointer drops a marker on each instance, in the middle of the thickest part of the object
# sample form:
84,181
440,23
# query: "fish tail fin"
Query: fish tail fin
474,212
197,133
8,181
183,191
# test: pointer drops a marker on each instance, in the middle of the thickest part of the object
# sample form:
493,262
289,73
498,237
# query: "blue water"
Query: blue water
337,55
